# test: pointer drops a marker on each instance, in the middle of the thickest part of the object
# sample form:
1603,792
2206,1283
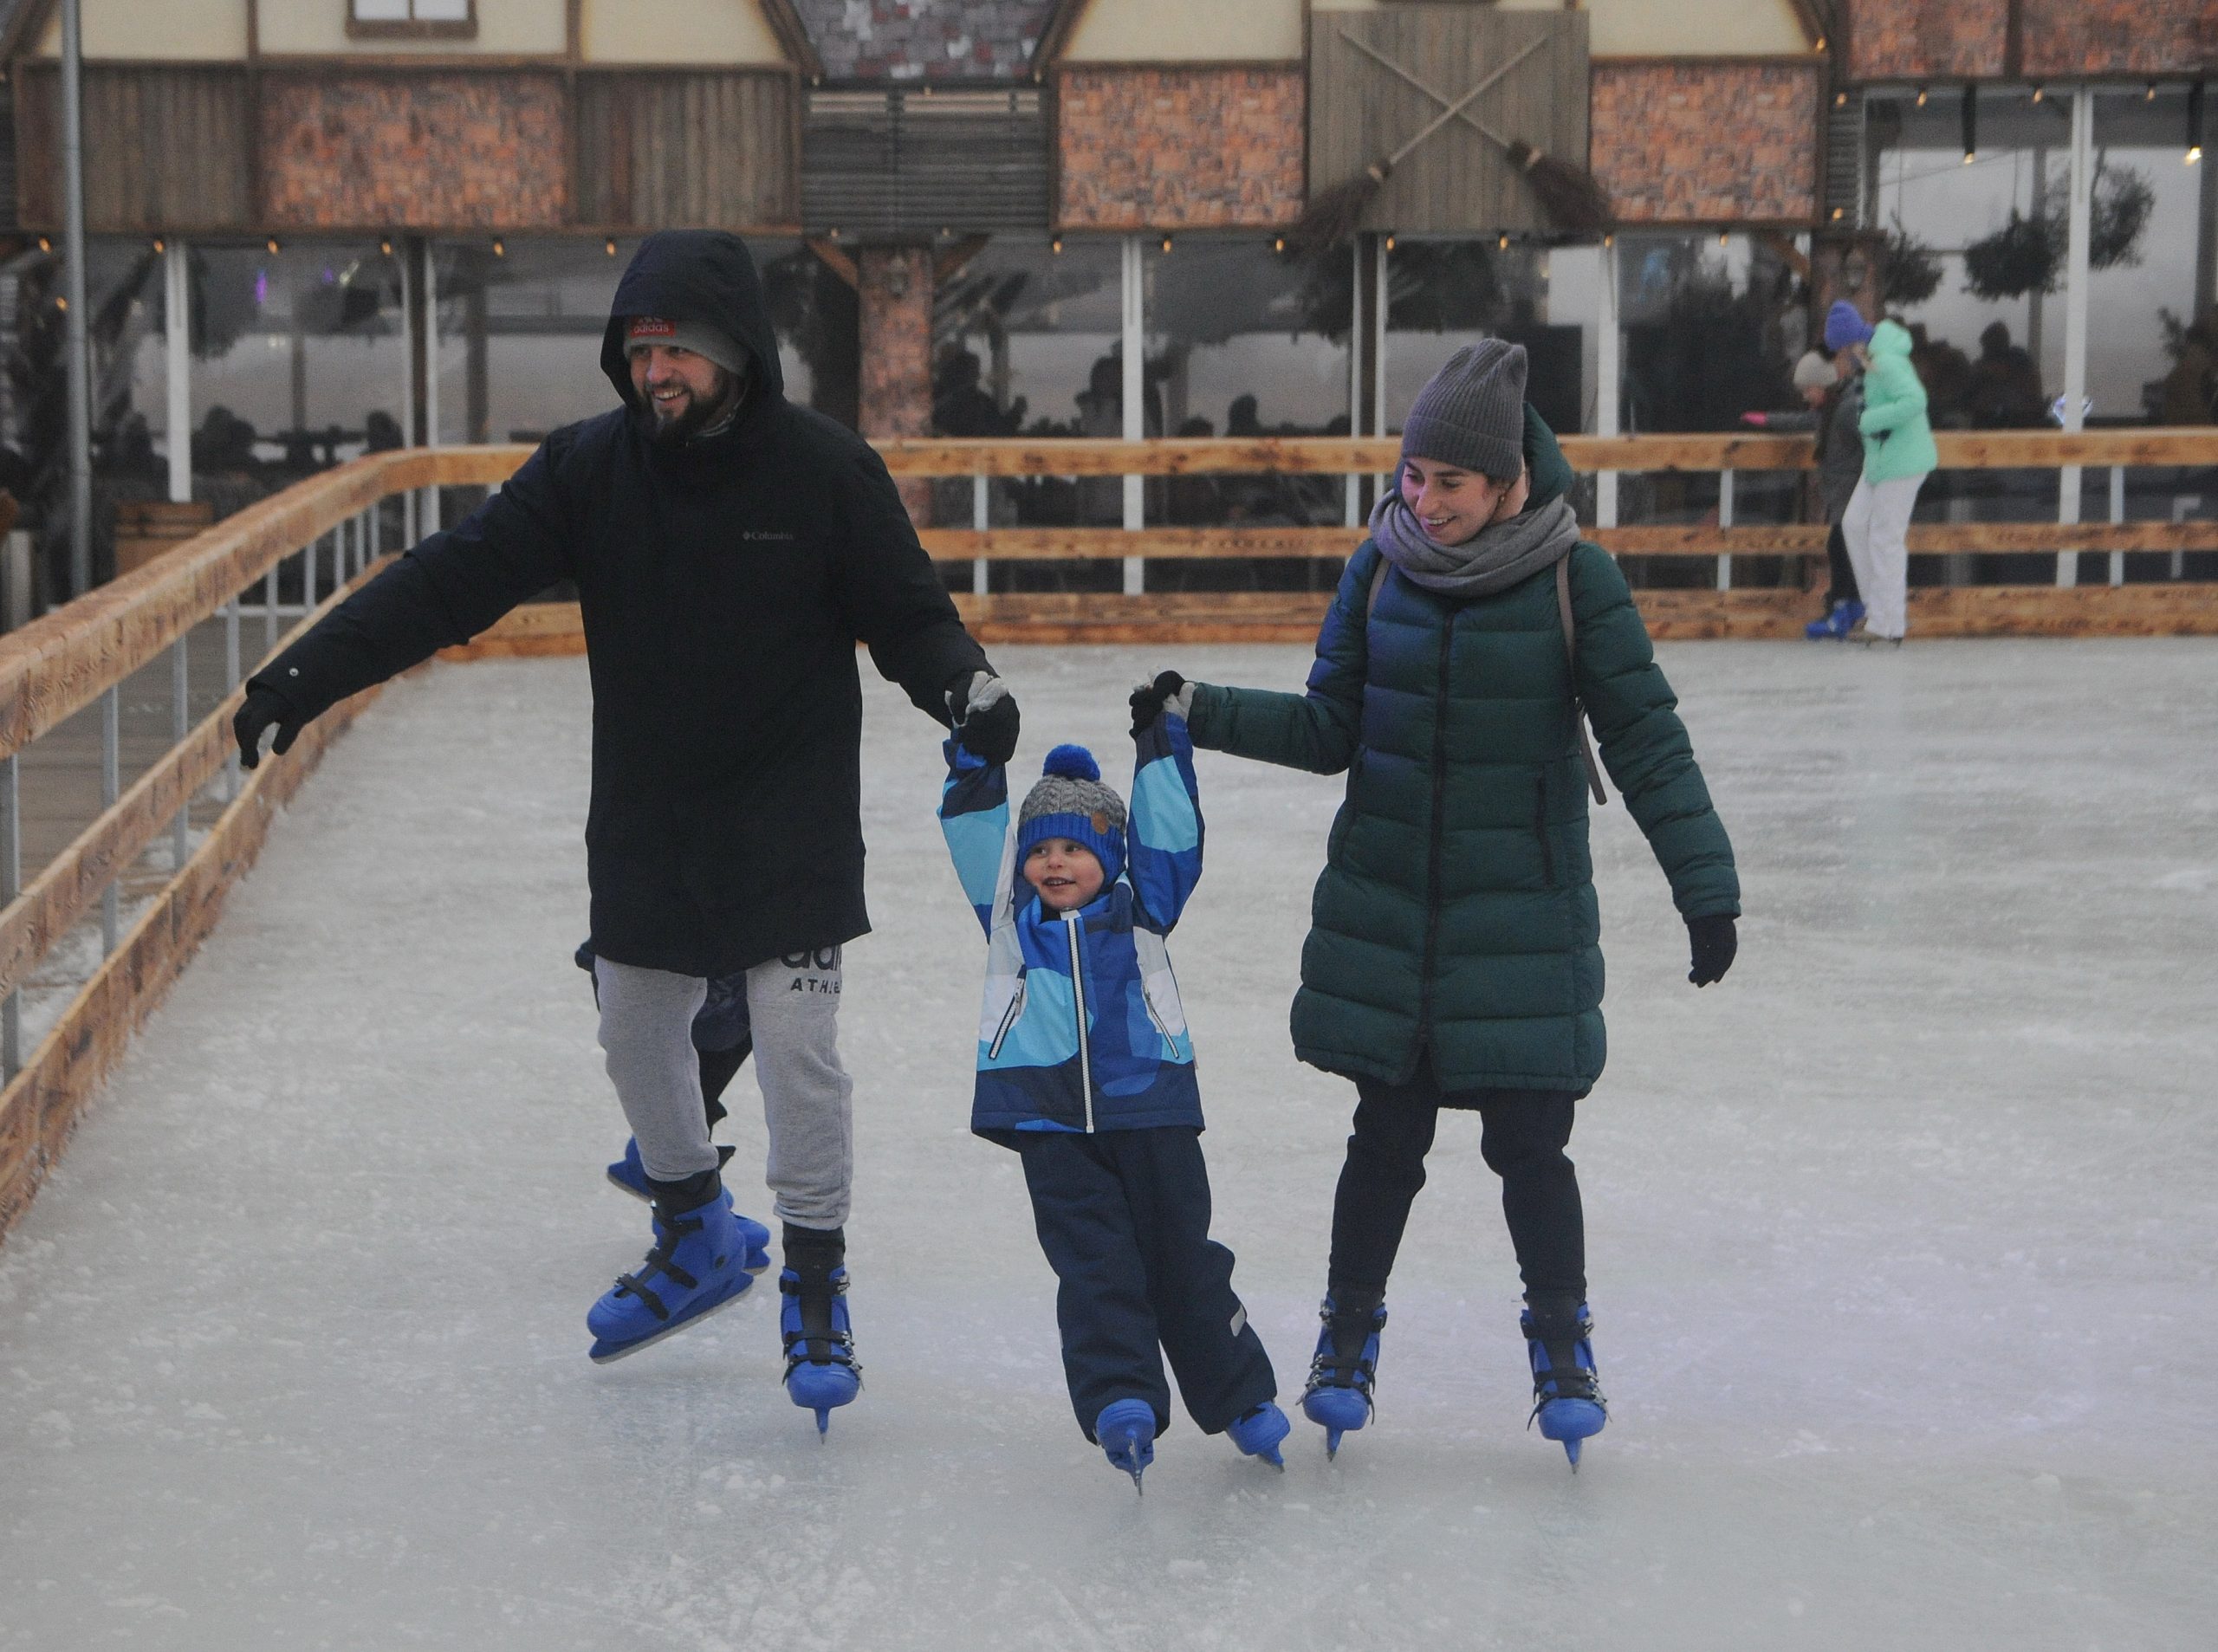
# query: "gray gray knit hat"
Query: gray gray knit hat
1471,413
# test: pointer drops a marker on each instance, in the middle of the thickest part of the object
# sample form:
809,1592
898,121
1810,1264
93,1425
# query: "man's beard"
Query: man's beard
668,430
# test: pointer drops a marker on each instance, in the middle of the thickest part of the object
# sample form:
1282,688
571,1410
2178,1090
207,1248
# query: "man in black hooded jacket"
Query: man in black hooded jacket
729,549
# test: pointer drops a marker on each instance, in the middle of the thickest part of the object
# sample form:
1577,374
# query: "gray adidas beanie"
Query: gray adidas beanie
1471,413
699,337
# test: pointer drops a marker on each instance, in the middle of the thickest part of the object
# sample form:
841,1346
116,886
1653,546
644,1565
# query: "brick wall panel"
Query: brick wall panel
2073,37
1180,148
1898,40
894,286
433,152
1677,143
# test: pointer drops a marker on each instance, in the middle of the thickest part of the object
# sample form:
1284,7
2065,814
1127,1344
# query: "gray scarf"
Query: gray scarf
1492,560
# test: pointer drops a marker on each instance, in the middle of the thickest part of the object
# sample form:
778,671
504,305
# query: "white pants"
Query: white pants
793,1009
1874,527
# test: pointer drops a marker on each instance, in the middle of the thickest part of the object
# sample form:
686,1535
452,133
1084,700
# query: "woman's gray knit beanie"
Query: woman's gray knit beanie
1471,413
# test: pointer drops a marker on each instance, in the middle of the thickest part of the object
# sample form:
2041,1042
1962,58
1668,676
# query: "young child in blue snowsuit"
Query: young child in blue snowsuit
1085,1069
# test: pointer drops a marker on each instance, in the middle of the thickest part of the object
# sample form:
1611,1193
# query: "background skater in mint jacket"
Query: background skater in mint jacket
1085,1069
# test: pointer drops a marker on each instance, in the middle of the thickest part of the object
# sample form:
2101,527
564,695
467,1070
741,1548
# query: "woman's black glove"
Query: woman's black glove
1170,691
983,713
1714,941
264,708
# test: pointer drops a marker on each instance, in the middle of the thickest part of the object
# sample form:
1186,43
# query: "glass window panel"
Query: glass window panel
300,357
1028,340
381,10
1444,294
442,10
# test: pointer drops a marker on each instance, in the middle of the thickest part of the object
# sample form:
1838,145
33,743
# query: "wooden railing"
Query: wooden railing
329,528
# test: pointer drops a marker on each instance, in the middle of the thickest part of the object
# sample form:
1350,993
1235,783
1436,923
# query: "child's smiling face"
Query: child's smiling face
1067,875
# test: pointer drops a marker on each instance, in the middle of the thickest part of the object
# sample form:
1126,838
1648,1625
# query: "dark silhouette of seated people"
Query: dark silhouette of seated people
962,406
2188,393
381,431
2005,393
1946,373
224,444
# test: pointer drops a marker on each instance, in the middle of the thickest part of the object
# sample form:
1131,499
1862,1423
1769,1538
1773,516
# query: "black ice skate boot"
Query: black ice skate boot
1567,1399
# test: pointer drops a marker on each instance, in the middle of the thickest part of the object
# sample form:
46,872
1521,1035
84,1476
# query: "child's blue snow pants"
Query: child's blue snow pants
1124,1217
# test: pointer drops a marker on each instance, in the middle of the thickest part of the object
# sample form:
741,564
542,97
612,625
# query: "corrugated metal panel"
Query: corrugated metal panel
917,163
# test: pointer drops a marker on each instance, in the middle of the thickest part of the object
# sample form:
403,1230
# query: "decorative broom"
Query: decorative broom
1333,214
1569,194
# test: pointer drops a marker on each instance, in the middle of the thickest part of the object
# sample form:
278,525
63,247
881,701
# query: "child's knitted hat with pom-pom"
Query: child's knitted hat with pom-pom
1070,801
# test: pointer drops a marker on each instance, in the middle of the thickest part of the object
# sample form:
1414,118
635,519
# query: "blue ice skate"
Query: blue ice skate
1343,1372
1567,1399
1835,626
1126,1432
820,1368
1257,1433
696,1268
629,1173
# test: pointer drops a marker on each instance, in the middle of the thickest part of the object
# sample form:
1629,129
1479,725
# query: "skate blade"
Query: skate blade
1571,1450
1332,1443
607,1353
1138,1490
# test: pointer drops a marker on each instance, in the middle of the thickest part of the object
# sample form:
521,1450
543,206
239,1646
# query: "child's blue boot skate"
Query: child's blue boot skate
629,1173
1343,1370
1257,1433
1567,1399
698,1265
821,1371
1126,1432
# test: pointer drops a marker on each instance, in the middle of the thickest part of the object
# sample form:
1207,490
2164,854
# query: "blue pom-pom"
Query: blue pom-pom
1072,762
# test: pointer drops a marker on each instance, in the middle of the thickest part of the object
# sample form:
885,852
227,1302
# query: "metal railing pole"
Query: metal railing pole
2117,515
981,519
1725,519
76,348
11,885
270,612
111,788
230,681
180,726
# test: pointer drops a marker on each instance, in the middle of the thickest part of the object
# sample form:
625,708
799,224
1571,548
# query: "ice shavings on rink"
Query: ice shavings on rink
1902,1239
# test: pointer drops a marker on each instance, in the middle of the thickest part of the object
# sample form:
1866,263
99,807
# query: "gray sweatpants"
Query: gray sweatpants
792,1007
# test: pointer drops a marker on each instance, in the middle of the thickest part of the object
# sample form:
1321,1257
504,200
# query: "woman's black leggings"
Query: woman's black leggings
1524,1133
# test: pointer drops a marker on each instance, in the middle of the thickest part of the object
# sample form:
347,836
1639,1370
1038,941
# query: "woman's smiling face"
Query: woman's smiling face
1453,504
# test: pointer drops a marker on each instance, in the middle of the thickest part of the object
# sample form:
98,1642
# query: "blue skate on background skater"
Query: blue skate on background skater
1567,1399
696,1266
1343,1371
1126,1432
630,1175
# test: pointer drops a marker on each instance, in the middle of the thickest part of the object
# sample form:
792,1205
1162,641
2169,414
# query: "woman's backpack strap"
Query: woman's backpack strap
1571,657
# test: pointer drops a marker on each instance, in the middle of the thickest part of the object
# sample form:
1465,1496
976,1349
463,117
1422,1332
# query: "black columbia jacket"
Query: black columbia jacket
724,586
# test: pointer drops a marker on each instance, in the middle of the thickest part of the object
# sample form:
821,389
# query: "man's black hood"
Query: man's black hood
702,276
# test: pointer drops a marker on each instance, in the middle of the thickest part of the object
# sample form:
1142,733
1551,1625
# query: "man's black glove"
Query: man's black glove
264,708
1168,692
983,712
1714,942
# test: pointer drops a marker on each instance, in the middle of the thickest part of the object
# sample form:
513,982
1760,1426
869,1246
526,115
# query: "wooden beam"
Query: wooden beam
948,261
835,259
793,34
1056,35
64,660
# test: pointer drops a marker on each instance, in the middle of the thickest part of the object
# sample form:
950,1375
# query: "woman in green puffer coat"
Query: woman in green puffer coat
1453,960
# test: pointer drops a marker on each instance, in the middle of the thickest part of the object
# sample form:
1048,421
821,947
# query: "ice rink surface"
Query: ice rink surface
1902,1239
